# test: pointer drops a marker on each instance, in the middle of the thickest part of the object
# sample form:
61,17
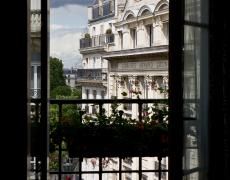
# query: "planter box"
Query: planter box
119,141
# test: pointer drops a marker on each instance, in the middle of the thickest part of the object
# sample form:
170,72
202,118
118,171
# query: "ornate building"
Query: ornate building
133,57
139,60
93,77
35,48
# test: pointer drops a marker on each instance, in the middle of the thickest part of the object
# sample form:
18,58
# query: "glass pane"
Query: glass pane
191,70
192,176
110,164
130,163
90,164
90,176
154,176
195,99
129,176
110,176
196,11
191,157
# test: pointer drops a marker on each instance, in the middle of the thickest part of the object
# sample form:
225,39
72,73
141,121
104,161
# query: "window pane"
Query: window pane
196,11
110,176
195,99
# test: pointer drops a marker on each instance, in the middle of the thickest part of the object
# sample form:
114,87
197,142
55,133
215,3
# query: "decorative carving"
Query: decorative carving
142,65
121,4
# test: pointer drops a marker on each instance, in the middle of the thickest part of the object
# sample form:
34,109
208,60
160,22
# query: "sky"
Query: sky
68,21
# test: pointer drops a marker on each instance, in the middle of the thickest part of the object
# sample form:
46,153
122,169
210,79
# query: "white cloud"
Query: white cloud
54,27
64,44
65,32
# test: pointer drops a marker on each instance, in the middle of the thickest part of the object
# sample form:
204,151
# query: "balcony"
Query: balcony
91,75
96,43
103,11
74,167
132,53
35,93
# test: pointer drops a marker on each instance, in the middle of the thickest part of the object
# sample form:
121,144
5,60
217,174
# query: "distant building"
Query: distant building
35,83
128,44
70,77
94,74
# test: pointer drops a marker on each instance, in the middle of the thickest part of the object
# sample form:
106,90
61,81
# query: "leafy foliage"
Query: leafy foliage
57,78
61,91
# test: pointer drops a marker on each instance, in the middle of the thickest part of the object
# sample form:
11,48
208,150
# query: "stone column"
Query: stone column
165,84
148,81
133,96
141,35
119,86
131,80
157,31
90,97
83,94
98,96
126,38
154,87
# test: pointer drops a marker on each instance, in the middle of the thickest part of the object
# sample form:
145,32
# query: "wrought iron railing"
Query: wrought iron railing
73,168
91,74
96,41
35,93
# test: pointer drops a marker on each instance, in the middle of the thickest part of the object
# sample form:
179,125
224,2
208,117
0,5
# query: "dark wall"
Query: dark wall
219,91
14,89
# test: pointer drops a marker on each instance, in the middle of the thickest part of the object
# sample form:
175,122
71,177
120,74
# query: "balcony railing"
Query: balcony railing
35,93
103,11
73,168
91,74
96,41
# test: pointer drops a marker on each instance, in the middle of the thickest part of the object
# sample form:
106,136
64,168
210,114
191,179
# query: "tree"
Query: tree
58,86
61,91
56,73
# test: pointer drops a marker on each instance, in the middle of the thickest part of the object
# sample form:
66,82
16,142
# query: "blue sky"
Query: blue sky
68,21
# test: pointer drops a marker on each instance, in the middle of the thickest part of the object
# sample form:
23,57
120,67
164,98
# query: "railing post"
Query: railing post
100,109
59,143
159,167
140,111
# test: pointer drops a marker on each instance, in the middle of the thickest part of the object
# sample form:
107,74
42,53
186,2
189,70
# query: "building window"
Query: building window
102,29
121,38
94,62
38,77
102,62
133,37
165,30
102,94
94,94
149,29
94,31
87,93
32,77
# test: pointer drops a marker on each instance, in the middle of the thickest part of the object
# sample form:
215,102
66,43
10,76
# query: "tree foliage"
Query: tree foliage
56,73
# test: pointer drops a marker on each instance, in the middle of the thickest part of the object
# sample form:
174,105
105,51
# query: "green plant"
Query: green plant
87,35
115,134
109,31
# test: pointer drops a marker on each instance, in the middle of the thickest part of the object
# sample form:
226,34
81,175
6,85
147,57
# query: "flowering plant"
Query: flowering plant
114,135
